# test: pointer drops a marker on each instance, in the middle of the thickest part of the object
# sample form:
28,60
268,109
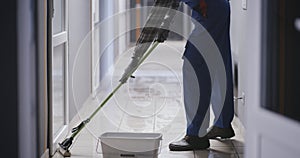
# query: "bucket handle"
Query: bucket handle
97,146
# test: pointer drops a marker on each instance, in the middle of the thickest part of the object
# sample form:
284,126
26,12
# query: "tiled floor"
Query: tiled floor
152,102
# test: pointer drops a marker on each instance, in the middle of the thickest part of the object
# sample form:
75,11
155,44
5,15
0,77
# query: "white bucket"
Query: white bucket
124,145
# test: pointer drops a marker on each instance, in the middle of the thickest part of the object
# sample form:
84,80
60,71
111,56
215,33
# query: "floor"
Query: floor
152,102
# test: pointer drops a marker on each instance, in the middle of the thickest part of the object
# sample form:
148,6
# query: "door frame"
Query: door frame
95,19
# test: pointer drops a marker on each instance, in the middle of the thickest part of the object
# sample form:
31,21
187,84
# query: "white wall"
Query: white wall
106,35
122,23
113,41
79,27
80,40
239,40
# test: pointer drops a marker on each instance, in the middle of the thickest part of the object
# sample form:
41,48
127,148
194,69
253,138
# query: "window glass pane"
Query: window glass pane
59,16
280,58
58,95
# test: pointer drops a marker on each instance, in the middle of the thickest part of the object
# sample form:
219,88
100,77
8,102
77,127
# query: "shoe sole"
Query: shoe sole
223,136
188,149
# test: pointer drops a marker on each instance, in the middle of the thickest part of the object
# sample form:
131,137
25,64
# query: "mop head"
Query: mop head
64,153
64,147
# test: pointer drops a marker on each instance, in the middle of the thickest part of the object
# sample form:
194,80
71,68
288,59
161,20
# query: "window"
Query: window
281,58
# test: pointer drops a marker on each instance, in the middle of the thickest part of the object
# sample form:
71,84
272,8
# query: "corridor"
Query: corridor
62,58
154,104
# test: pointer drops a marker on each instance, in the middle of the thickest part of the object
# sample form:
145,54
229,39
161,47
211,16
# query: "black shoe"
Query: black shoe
190,143
223,133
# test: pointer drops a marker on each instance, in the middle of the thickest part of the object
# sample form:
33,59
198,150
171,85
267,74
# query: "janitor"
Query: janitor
214,16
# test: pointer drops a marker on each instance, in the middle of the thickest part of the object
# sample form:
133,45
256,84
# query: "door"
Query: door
58,69
272,96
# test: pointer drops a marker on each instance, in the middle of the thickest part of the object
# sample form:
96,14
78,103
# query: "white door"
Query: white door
59,74
273,123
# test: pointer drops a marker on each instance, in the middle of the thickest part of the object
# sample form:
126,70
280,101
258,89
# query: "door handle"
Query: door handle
241,98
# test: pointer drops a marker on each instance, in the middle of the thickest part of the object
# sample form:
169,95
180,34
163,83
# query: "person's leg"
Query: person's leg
197,90
222,124
226,116
220,33
223,42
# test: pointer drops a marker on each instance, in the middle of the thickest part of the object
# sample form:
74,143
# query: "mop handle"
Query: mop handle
80,127
155,44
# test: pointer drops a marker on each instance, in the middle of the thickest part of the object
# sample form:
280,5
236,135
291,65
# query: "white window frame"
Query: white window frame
58,39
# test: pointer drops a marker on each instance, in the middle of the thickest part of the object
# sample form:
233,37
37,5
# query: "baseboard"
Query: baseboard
46,154
240,126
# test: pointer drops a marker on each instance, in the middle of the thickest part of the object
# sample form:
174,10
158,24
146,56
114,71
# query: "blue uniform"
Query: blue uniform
195,69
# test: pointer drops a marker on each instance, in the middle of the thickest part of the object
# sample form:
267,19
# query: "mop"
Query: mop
155,31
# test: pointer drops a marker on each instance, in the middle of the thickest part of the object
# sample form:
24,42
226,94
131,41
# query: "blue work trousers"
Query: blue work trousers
200,88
